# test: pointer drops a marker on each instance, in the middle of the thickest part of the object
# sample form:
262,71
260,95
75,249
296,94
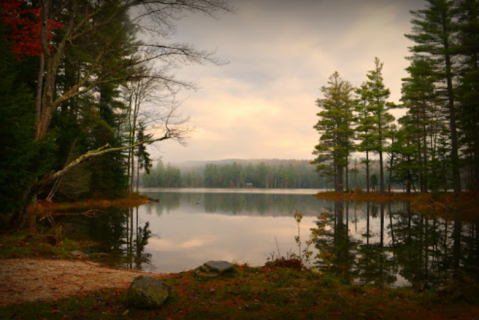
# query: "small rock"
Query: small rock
77,253
102,255
146,293
214,268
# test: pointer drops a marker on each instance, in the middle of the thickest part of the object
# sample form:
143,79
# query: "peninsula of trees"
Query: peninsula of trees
435,145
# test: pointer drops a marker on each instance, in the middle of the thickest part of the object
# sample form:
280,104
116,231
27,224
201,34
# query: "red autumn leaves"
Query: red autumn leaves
24,24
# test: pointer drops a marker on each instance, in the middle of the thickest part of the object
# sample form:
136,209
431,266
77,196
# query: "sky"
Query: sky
261,104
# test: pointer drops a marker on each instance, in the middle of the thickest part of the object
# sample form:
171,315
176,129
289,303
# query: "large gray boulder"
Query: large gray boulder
146,293
214,268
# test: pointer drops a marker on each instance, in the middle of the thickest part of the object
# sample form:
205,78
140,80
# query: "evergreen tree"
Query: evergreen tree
468,114
425,119
334,126
434,33
381,120
97,39
21,161
365,126
406,166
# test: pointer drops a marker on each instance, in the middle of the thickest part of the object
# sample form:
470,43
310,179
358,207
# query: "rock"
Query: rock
102,255
77,253
146,293
214,268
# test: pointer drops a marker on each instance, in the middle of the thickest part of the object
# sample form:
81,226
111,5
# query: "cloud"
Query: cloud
262,104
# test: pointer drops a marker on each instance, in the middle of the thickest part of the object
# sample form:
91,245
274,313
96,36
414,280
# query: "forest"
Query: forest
83,91
434,146
273,173
84,84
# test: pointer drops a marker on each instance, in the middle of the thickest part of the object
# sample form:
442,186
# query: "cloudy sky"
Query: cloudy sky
262,103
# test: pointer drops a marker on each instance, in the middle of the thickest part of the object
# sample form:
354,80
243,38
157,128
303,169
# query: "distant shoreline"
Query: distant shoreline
239,190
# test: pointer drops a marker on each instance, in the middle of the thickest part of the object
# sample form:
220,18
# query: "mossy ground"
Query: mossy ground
39,245
273,292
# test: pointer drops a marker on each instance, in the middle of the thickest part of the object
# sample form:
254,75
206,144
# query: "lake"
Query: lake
364,242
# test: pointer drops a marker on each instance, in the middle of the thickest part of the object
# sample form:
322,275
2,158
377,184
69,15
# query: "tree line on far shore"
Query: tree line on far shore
255,173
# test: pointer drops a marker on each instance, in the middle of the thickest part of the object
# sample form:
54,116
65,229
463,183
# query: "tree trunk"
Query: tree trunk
452,115
390,172
347,175
381,173
138,176
19,218
38,99
367,171
339,179
355,172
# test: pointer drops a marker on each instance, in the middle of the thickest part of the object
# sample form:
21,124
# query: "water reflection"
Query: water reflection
116,232
269,204
371,243
395,246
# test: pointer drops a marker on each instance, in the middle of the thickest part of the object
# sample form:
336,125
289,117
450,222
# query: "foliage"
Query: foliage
21,161
435,145
335,128
24,24
79,55
380,119
259,173
434,33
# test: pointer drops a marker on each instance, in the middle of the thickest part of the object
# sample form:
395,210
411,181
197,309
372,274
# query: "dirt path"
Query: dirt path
40,279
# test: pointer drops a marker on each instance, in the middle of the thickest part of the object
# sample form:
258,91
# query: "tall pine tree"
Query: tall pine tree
468,115
434,31
378,108
334,126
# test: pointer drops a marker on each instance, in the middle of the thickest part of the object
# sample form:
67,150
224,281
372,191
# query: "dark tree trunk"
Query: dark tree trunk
381,173
38,99
20,216
452,114
367,171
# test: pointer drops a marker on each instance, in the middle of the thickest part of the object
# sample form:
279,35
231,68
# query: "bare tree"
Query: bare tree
83,22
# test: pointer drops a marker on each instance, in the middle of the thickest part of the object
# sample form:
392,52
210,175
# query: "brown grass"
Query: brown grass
43,207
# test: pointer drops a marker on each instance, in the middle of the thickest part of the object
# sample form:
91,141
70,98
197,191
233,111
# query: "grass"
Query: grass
43,207
257,293
39,245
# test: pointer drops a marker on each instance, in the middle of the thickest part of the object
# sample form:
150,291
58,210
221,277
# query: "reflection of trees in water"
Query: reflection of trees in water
423,248
166,201
337,248
137,239
238,203
426,251
117,233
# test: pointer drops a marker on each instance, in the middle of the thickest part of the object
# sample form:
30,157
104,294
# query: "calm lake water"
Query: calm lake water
365,242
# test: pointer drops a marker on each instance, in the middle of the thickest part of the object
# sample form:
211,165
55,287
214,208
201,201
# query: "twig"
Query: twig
277,247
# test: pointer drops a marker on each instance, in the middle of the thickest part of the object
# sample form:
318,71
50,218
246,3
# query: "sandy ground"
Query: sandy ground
41,279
